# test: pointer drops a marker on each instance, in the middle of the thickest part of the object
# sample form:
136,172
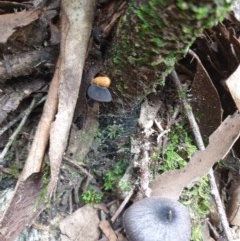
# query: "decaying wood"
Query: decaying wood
138,68
23,64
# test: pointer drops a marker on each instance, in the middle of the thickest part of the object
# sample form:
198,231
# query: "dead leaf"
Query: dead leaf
233,211
9,22
107,230
82,225
205,103
233,85
170,184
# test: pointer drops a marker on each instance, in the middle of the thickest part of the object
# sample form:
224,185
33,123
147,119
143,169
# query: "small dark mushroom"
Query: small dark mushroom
157,219
98,93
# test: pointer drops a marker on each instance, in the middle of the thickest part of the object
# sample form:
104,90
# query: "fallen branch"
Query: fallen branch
76,24
35,157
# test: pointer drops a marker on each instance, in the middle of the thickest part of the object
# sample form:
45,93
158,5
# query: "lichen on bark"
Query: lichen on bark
149,39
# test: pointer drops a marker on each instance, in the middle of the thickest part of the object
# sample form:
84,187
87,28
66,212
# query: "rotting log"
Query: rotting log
150,37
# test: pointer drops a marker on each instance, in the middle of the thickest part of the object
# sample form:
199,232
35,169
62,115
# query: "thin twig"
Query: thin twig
213,230
121,207
200,144
78,165
189,112
18,129
19,117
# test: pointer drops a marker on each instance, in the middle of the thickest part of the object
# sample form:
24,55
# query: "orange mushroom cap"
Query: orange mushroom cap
102,81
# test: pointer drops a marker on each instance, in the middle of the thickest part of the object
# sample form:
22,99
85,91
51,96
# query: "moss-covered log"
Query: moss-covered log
150,37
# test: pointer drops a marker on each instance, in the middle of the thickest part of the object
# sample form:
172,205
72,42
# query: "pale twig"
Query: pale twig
19,117
189,112
200,144
213,230
18,129
121,207
78,165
